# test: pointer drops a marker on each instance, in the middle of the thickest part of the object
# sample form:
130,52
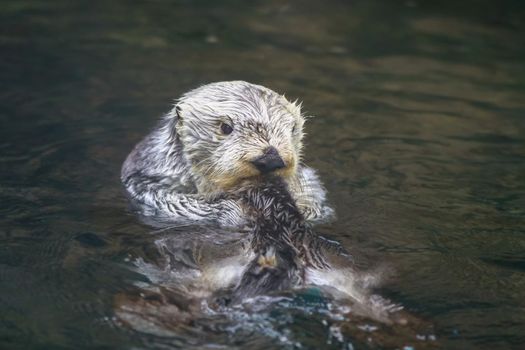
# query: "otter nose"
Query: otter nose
269,161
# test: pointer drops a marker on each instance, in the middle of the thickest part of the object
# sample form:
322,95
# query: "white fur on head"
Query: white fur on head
260,118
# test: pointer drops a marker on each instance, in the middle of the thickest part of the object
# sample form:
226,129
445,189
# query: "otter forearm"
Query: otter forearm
311,196
159,194
317,213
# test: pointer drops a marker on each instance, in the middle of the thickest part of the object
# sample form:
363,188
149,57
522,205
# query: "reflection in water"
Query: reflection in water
418,136
181,299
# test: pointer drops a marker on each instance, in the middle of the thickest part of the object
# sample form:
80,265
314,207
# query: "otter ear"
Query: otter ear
178,110
173,121
294,107
175,113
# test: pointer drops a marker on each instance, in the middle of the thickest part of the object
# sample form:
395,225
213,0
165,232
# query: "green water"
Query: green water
419,137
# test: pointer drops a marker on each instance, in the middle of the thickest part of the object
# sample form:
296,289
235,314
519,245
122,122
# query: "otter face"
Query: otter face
231,131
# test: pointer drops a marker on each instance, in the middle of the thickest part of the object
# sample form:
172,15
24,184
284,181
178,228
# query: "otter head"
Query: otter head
232,131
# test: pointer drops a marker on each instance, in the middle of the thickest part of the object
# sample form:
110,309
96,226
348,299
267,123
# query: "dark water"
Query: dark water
419,137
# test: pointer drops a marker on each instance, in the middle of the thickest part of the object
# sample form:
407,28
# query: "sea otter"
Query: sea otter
214,137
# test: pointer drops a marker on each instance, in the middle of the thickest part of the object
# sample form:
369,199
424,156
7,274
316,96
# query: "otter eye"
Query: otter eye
226,129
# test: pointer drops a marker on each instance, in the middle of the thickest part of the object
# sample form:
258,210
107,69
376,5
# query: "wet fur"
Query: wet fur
277,228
